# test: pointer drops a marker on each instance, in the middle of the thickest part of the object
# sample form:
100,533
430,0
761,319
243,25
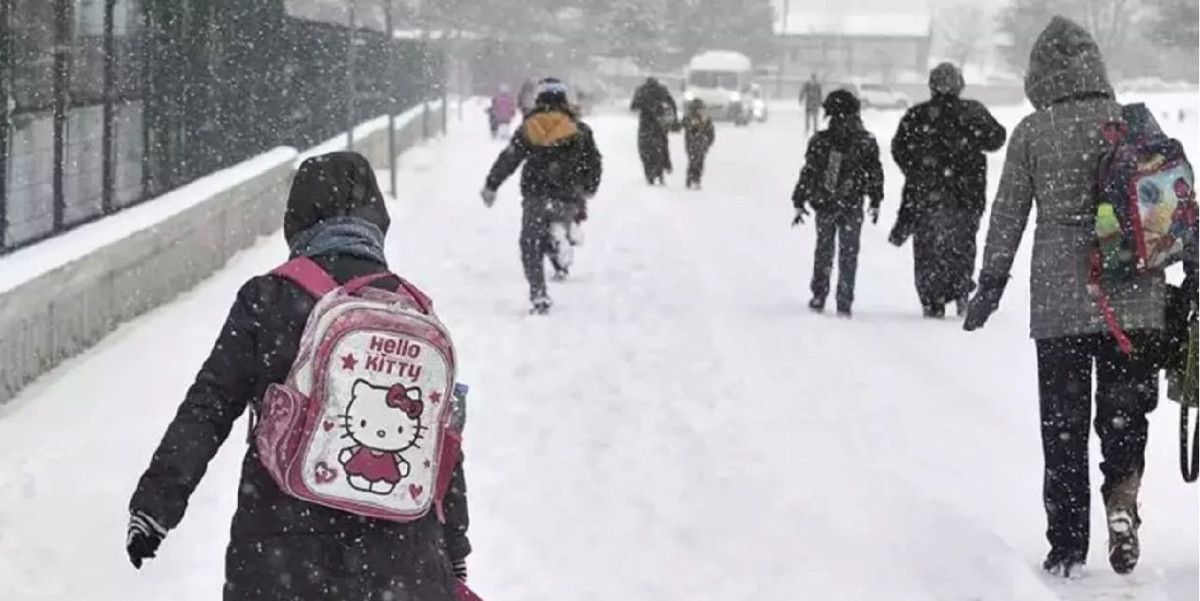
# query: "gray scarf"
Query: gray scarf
341,236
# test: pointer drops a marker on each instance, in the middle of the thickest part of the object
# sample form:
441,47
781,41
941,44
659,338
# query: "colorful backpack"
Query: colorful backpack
1146,207
364,422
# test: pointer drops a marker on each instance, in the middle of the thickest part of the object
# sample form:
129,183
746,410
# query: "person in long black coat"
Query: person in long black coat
657,112
940,148
282,548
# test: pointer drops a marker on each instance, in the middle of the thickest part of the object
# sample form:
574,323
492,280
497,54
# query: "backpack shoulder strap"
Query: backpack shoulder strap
423,301
305,272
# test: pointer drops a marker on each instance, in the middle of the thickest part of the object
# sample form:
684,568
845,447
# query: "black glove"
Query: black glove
801,213
145,535
874,213
459,567
985,302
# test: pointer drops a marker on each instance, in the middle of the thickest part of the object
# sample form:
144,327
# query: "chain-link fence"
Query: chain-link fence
106,103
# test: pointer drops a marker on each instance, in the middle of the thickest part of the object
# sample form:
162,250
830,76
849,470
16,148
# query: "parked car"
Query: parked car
718,77
878,96
758,103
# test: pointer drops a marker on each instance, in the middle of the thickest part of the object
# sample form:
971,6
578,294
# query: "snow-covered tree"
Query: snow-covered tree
965,32
1115,24
742,25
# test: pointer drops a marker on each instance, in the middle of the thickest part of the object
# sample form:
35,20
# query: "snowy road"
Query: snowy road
681,427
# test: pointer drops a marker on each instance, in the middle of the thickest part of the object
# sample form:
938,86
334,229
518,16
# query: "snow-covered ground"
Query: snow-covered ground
680,427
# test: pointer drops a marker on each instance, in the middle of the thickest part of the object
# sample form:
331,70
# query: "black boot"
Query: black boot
1123,546
935,311
817,305
1065,563
1123,523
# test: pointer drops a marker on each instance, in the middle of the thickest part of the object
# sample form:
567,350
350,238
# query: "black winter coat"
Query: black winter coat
653,103
699,133
860,174
940,147
281,548
560,155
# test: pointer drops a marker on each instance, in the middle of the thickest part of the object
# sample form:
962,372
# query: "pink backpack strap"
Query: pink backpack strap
1110,316
423,302
305,272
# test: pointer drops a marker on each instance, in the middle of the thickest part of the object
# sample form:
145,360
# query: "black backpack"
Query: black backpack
837,178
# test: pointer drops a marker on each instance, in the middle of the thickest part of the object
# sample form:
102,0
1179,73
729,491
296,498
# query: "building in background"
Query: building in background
885,48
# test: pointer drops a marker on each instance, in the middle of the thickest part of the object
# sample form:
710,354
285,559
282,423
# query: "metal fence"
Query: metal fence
106,103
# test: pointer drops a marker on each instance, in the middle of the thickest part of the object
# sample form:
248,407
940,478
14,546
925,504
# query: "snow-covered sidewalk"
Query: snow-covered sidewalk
680,427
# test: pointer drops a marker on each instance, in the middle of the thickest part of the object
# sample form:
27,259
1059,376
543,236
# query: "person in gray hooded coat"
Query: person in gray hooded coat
1052,160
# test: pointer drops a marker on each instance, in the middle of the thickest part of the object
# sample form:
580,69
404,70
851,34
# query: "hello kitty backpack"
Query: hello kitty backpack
363,422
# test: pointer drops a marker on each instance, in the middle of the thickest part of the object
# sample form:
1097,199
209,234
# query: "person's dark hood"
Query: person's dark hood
946,80
338,184
1065,62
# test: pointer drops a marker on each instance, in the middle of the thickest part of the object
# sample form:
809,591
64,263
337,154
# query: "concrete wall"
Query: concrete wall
65,310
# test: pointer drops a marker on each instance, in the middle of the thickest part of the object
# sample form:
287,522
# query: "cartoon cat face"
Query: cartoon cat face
384,419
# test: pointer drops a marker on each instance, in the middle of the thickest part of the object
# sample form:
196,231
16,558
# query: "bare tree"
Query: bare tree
1113,23
965,29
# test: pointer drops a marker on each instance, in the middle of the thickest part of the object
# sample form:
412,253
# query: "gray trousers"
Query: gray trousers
812,121
538,215
843,228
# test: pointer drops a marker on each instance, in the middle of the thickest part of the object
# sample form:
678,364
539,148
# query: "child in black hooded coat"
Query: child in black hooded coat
282,548
841,167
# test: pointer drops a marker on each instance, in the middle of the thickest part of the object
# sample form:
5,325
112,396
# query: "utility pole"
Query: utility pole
350,80
781,48
391,106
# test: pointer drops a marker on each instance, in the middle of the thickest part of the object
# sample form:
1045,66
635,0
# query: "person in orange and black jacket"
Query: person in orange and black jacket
841,167
282,548
562,172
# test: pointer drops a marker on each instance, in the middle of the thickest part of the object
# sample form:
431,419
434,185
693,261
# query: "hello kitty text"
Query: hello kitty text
393,357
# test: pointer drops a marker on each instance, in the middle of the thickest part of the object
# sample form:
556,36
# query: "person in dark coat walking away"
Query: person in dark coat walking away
657,113
811,97
282,548
698,136
940,148
840,168
1052,160
562,171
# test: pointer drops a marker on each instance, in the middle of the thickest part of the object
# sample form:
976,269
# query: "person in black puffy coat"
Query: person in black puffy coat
699,133
940,147
282,548
841,168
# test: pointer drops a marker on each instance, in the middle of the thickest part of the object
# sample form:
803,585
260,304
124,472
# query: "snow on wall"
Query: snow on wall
61,296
